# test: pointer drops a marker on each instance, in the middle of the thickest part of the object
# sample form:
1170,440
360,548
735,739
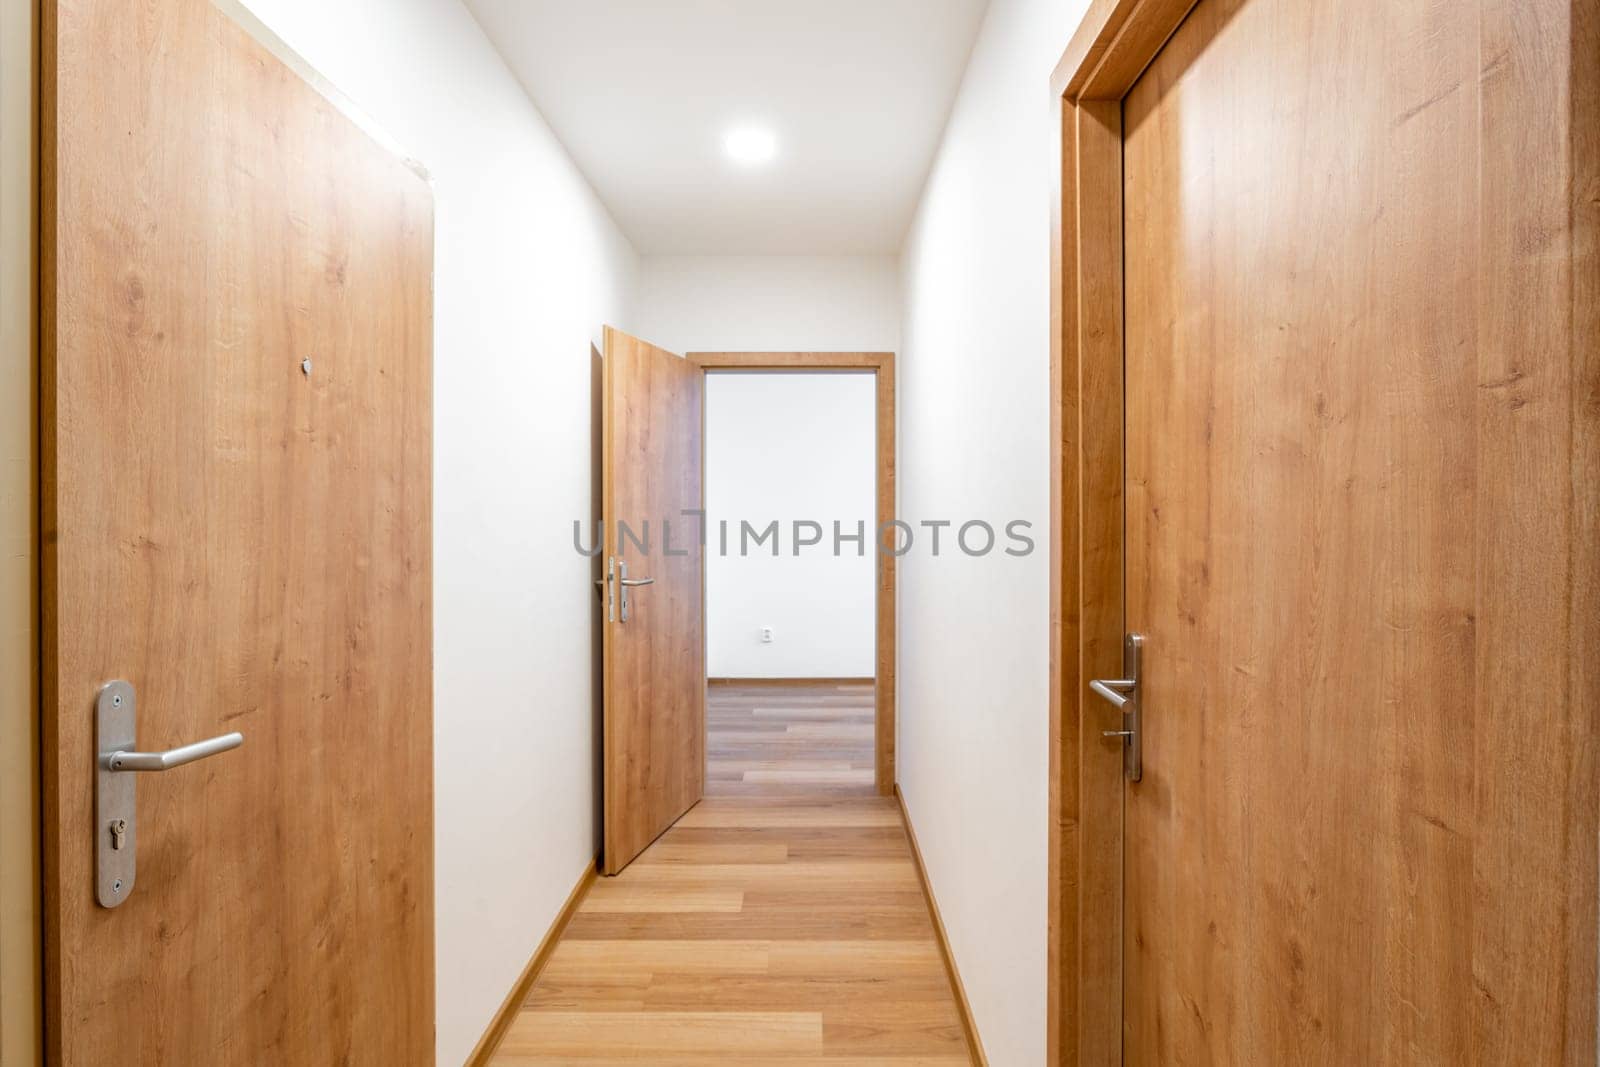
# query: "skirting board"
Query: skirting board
530,974
789,681
974,1045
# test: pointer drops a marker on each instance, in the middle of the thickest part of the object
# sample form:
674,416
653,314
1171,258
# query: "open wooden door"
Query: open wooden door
237,443
653,558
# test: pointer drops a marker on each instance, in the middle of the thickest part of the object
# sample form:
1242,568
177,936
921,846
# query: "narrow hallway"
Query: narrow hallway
848,533
783,918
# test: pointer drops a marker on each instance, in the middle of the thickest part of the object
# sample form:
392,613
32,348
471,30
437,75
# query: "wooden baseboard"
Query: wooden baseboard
519,992
789,681
974,1045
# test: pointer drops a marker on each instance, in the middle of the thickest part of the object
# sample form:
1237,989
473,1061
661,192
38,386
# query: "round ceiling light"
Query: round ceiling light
750,145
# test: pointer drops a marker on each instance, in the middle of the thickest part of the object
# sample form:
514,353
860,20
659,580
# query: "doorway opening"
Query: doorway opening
798,497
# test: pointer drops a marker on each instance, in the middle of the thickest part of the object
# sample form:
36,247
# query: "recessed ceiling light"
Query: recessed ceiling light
750,145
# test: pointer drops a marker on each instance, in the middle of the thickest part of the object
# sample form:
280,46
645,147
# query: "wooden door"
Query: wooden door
236,401
1361,536
654,652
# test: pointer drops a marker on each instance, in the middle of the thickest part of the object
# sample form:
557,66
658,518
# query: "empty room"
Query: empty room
904,532
791,489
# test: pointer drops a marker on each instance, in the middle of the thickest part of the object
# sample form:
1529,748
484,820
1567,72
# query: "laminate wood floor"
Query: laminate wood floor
763,740
781,928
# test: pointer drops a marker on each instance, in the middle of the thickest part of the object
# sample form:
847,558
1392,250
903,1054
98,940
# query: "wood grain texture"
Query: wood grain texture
1084,899
1367,828
1100,595
249,545
830,956
496,1030
654,663
969,1025
802,738
1582,275
882,364
1112,45
888,597
1523,378
1536,522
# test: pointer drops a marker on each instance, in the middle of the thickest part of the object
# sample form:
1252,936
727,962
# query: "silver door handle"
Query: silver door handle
617,571
116,795
1123,694
123,760
1114,688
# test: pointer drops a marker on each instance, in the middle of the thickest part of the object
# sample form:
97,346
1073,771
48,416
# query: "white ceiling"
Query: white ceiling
641,92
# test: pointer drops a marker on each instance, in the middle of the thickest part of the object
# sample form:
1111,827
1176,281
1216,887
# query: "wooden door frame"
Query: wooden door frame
1114,43
881,364
1111,49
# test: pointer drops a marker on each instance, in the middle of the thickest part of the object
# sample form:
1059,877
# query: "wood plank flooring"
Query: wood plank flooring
763,740
782,924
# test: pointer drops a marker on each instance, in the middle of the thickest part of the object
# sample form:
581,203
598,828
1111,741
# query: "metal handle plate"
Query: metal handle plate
1123,693
617,572
116,798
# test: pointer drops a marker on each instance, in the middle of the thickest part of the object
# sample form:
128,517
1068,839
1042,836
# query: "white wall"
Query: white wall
973,720
769,303
528,266
786,447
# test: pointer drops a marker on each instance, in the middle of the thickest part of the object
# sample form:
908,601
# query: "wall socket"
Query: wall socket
766,635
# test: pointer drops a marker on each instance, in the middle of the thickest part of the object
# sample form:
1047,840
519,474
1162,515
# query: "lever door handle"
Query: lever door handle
617,571
1114,688
1123,694
116,795
124,760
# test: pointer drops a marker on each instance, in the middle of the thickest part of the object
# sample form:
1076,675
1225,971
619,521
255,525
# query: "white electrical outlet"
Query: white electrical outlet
766,635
